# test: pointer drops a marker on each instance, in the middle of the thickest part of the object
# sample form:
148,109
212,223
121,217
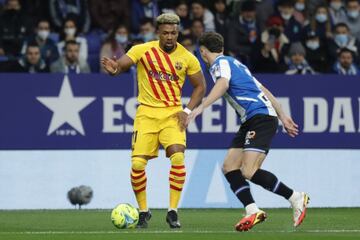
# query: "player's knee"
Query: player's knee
177,159
227,168
138,163
247,172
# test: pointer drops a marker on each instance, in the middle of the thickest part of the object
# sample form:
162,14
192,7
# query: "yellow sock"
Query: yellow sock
138,181
176,178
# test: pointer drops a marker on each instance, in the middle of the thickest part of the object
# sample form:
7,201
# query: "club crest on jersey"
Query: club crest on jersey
249,135
178,66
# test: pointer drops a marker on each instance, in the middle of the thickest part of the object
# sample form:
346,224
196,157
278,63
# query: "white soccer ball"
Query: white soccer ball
124,215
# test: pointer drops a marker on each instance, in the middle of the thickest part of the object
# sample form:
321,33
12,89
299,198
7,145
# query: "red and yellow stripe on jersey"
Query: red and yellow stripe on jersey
162,75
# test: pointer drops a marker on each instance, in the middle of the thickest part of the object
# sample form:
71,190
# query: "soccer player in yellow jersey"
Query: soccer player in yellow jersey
160,119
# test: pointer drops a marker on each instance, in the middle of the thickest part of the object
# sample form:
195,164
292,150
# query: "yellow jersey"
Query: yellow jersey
161,75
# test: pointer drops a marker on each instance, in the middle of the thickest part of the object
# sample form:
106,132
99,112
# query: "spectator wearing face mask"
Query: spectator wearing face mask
345,63
353,17
297,63
320,23
316,53
274,46
31,62
70,62
336,11
116,44
292,28
342,38
244,34
48,49
300,11
147,30
70,32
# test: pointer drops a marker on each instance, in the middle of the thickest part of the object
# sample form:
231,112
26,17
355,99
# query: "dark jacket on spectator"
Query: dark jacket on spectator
14,26
62,9
21,66
49,51
107,14
241,40
292,29
318,59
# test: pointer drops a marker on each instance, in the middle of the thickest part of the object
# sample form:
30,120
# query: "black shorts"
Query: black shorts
256,133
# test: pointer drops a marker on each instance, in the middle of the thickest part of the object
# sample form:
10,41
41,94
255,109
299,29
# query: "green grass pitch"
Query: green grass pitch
325,223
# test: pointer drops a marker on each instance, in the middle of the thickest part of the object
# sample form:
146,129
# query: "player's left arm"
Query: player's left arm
219,89
290,126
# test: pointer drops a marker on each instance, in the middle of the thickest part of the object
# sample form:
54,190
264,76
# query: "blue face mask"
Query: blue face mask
321,18
121,38
299,6
148,36
353,14
341,39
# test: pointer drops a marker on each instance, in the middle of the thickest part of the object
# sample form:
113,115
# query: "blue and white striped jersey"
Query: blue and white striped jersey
244,93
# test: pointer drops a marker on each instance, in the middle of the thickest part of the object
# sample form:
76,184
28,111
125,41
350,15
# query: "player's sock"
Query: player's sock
176,178
270,182
138,182
240,187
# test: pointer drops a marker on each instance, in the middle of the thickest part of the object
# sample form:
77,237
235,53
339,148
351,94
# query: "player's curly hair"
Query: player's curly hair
212,41
167,18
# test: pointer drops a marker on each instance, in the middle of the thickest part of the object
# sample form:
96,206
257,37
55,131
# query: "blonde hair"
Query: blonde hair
167,18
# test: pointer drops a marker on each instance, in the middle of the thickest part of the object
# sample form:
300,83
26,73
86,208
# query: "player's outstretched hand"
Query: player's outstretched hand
194,113
290,126
109,65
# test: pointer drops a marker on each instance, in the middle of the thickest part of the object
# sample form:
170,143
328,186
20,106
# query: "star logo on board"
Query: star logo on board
66,108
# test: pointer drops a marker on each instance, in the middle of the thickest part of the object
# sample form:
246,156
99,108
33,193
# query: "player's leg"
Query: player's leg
259,137
145,145
241,189
251,170
174,141
138,182
177,176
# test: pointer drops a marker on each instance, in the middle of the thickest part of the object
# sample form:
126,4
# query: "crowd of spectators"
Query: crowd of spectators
269,36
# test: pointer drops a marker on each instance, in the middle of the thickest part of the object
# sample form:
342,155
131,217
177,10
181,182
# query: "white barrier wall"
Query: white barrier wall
41,179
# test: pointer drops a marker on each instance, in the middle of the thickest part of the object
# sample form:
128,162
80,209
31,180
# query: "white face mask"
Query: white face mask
313,45
336,5
299,6
43,34
70,32
286,16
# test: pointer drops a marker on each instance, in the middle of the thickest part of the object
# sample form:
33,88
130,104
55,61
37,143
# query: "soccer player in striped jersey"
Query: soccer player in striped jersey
259,112
160,119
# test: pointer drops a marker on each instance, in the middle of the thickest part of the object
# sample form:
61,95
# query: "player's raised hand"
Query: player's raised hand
290,126
110,65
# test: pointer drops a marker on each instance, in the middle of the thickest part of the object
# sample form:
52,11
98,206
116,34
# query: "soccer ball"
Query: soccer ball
124,216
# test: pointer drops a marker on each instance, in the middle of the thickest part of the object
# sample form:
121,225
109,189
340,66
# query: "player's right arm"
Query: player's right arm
290,126
115,67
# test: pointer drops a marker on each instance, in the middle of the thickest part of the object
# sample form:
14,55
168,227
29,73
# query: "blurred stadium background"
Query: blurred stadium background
64,123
